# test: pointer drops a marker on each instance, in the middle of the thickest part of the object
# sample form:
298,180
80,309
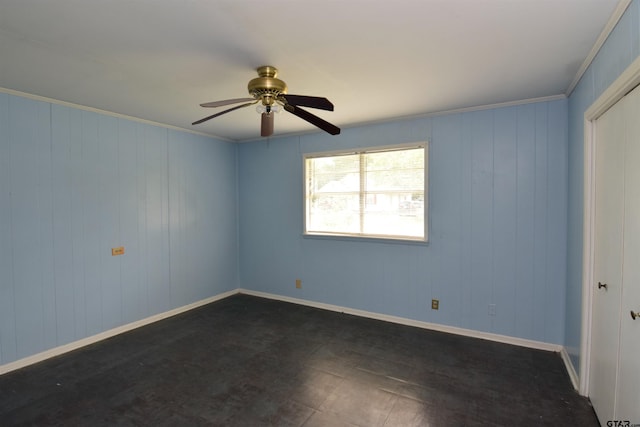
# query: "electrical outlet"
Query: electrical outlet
492,309
117,251
435,304
298,284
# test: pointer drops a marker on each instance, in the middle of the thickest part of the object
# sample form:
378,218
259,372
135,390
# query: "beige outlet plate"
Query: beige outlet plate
298,283
435,304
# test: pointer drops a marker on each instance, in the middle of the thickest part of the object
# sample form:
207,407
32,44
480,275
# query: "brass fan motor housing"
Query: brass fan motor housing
267,87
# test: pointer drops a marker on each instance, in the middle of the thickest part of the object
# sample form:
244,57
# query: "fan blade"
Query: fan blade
266,128
223,112
225,102
308,101
313,119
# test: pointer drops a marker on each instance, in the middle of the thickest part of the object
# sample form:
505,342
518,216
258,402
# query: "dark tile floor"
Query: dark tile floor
247,361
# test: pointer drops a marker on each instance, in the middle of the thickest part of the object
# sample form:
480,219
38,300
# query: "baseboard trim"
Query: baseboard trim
539,345
56,351
570,369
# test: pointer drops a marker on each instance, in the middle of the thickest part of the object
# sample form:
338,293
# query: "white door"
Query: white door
628,390
609,206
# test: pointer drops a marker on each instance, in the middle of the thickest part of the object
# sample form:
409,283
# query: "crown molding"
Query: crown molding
606,31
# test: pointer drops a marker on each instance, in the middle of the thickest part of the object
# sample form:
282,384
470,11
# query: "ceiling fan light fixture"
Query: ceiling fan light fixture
270,93
275,108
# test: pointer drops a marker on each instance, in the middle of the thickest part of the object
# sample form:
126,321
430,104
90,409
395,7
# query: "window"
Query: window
374,193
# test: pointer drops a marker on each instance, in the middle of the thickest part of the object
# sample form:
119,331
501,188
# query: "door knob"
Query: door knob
634,314
602,285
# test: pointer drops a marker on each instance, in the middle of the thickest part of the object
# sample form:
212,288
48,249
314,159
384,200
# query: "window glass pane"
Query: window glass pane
335,174
395,193
399,219
377,193
395,170
336,213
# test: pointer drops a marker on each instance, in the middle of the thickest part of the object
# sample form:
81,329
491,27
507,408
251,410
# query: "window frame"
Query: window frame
362,236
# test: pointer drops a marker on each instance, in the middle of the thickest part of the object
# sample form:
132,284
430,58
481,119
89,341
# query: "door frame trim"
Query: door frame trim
628,80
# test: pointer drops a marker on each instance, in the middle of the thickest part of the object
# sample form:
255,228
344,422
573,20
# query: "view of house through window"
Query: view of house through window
377,192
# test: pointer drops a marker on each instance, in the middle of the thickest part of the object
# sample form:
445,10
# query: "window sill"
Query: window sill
366,239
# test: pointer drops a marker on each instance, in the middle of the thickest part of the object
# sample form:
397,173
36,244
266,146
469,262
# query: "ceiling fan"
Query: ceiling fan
271,93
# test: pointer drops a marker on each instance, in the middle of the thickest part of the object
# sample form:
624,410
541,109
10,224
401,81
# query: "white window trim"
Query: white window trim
359,237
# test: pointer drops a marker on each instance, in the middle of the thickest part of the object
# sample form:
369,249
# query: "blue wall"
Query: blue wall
498,202
619,51
74,184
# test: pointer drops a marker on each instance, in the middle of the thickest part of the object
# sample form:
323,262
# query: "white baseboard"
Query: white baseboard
39,357
570,369
539,345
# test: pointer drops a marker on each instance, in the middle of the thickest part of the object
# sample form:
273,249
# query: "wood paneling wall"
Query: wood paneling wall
74,184
498,205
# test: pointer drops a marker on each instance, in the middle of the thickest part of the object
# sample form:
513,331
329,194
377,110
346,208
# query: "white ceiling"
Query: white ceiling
375,60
